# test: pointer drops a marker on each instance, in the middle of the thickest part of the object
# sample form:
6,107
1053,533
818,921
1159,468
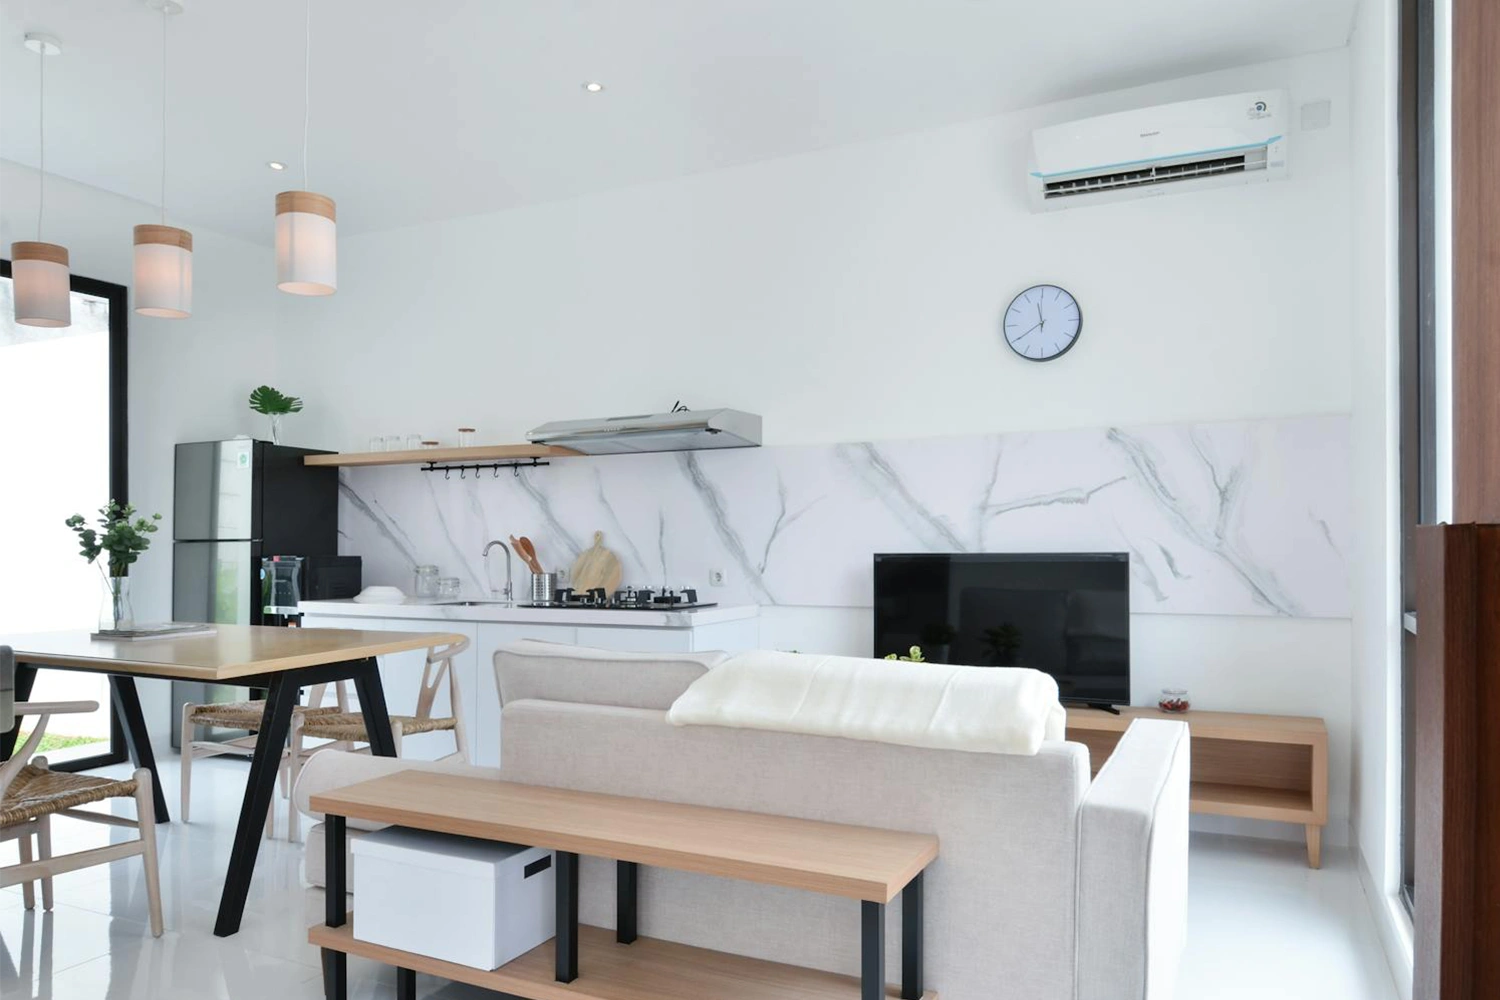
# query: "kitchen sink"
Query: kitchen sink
471,604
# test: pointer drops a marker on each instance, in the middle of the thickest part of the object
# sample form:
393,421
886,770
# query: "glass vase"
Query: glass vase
114,610
275,427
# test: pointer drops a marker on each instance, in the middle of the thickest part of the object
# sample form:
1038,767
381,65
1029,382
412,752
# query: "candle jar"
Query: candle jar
1174,700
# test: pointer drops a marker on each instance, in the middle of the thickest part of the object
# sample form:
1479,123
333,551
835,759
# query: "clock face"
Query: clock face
1043,322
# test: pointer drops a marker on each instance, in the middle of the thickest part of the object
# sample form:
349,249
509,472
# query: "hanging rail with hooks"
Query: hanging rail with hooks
463,470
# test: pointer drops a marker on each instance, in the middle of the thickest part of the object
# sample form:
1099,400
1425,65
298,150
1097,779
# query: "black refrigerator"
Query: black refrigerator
234,502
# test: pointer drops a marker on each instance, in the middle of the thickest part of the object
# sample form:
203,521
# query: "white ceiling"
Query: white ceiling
423,111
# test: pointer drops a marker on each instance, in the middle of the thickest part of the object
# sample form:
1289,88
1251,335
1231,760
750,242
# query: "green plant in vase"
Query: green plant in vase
121,536
275,404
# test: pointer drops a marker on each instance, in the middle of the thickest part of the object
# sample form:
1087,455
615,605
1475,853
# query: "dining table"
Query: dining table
278,659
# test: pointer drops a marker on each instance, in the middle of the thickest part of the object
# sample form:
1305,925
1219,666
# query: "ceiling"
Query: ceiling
428,111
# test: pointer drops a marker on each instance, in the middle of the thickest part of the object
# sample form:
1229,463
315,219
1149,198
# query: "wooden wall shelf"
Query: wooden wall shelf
1270,767
483,453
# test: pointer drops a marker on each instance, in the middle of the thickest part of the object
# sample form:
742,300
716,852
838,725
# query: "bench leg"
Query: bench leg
1314,846
911,939
567,917
872,951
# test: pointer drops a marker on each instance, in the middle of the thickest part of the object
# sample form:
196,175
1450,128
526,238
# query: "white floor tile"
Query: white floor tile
1260,922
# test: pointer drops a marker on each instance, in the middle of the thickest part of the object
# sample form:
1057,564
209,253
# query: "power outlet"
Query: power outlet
716,578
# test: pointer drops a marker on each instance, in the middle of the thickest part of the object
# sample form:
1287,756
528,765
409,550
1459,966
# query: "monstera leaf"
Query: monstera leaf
273,402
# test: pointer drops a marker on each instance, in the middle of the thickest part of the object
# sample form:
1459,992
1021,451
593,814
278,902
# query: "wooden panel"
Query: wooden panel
837,859
1247,802
421,456
1221,725
1257,765
1457,925
231,652
649,969
1476,261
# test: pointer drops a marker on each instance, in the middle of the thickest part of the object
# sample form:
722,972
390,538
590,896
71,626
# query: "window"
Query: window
1418,405
62,393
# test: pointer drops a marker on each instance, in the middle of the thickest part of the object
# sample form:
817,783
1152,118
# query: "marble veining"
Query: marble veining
1238,518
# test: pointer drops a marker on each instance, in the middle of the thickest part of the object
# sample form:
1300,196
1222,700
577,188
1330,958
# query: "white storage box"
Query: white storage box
472,902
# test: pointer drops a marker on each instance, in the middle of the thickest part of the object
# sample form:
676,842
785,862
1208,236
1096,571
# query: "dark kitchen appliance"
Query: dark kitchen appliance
629,599
235,502
1066,614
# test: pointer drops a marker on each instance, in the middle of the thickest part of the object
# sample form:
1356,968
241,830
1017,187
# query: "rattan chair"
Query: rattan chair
31,794
343,730
245,715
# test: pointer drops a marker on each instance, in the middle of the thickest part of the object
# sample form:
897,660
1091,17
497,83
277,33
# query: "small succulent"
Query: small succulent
273,402
913,655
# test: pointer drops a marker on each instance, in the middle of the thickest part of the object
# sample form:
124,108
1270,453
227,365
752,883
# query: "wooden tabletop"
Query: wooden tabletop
853,861
230,653
1214,725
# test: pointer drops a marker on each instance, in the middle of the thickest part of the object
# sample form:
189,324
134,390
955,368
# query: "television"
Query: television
1067,614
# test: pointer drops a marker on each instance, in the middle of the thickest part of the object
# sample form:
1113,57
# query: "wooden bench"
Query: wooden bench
1272,767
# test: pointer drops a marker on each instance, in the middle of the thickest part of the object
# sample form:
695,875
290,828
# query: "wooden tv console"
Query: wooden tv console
1272,767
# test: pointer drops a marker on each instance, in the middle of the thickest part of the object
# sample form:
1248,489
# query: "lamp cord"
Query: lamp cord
306,89
41,135
164,114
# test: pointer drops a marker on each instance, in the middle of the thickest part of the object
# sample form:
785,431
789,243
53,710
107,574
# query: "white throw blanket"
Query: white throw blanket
934,705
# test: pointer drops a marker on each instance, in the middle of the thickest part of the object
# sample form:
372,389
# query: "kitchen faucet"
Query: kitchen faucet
487,577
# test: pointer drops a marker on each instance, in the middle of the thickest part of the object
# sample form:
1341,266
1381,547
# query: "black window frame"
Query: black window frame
119,455
1418,369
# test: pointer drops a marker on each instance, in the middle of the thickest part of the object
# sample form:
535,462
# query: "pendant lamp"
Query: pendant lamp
163,253
39,271
306,223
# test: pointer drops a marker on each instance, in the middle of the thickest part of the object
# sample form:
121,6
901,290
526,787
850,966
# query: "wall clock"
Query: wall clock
1043,322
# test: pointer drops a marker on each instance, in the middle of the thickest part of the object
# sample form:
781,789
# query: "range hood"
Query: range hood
683,430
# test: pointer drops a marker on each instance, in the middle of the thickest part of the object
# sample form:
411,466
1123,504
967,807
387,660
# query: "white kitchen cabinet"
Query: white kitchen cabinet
401,678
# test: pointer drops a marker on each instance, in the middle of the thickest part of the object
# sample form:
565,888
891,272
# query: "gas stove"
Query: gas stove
628,599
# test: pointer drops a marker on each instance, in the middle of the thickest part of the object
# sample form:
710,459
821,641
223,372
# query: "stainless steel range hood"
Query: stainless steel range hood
685,430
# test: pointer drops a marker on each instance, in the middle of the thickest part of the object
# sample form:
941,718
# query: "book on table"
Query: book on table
157,630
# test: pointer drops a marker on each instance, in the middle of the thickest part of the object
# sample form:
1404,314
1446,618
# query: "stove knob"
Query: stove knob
689,595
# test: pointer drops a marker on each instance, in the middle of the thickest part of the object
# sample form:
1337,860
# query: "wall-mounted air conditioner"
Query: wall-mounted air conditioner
1240,139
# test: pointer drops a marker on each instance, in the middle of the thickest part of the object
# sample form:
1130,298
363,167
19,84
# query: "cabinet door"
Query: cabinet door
637,640
484,739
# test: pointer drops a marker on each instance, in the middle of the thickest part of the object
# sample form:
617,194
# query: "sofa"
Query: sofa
1048,885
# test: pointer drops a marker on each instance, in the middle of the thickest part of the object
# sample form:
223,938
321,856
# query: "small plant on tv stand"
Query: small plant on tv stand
913,655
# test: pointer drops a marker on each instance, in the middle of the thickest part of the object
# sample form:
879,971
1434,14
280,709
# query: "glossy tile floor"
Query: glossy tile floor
1262,924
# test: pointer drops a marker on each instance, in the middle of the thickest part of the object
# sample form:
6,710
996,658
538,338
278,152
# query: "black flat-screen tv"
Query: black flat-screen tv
1067,614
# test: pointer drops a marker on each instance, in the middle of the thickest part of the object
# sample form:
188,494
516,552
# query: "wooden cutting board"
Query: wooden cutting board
596,567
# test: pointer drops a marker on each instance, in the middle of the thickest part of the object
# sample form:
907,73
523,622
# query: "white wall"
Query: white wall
188,378
855,294
1376,793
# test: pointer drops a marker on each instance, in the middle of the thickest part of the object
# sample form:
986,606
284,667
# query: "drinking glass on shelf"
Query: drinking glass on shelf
393,442
414,441
377,443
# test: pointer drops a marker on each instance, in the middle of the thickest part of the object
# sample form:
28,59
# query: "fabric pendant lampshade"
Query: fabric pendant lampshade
306,243
163,272
39,273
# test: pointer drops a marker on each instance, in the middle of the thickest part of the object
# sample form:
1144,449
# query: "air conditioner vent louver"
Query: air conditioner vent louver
1157,174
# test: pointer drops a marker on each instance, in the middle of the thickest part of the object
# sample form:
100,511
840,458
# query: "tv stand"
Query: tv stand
1271,767
1098,706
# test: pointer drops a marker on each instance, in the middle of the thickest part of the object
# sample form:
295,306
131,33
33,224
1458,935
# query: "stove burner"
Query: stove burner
629,599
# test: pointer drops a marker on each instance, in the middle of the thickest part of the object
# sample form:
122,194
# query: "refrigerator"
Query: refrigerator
234,502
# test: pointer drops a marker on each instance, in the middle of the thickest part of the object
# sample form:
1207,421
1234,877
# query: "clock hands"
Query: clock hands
1028,333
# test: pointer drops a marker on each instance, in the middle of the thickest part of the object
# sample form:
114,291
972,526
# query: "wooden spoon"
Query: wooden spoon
515,546
530,551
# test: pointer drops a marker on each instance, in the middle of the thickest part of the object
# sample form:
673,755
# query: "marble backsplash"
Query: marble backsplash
1235,518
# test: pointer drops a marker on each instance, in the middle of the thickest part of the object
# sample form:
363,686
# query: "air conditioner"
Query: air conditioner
1239,139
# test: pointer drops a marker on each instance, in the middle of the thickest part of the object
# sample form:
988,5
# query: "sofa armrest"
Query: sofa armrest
1132,867
329,769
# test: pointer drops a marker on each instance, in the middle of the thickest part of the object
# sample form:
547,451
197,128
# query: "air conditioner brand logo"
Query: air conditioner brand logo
1260,109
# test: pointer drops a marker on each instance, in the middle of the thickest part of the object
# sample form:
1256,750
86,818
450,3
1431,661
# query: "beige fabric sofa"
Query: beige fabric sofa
1048,886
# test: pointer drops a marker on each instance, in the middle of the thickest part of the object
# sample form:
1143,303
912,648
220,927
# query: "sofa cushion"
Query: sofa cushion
549,671
933,705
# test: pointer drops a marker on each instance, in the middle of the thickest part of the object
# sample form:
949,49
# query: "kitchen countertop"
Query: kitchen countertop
426,610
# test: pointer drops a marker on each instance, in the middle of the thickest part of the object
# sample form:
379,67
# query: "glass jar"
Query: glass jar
448,587
414,441
426,582
1174,700
466,437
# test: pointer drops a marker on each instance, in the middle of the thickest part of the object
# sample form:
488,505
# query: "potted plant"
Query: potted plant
123,537
274,404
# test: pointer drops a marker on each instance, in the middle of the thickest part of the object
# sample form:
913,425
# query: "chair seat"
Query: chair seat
349,726
37,792
244,714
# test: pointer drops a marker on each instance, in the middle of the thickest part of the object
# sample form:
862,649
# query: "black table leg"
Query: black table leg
627,879
911,939
567,917
137,738
336,963
872,951
406,984
25,678
371,694
270,742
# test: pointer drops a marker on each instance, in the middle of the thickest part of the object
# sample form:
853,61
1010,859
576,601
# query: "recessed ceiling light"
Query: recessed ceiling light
593,86
276,164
